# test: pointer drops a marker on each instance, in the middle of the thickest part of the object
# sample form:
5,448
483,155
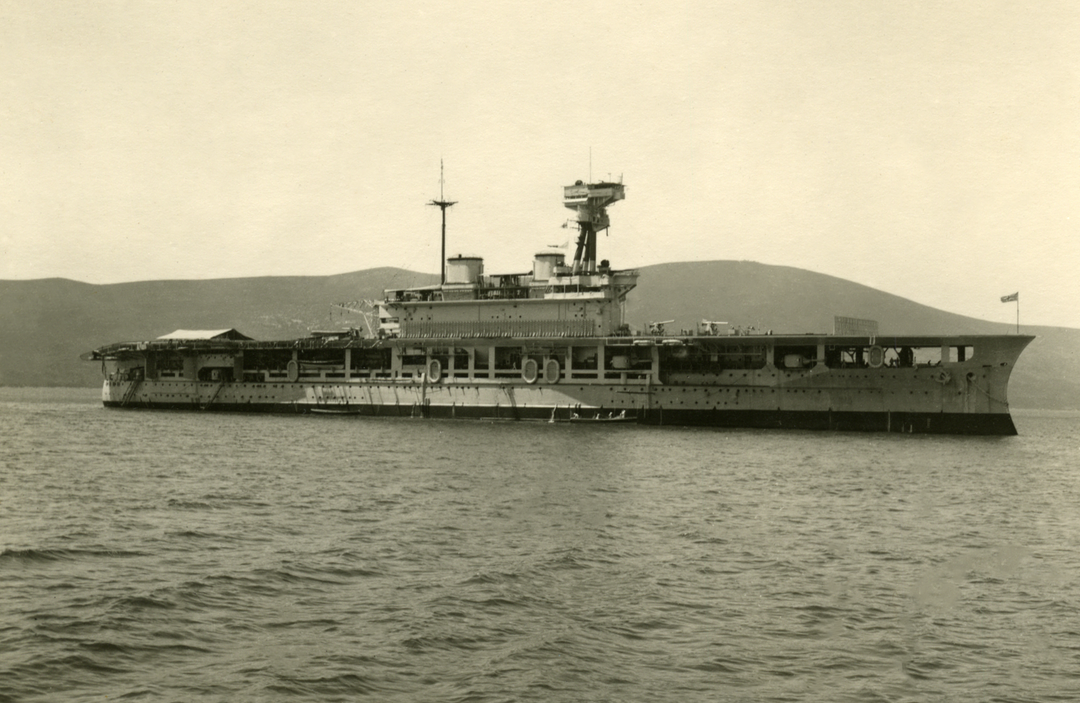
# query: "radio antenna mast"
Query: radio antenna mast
442,203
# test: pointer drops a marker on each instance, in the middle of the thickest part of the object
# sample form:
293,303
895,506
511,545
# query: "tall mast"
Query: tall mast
442,203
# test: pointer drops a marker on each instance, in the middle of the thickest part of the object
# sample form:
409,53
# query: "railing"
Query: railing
498,329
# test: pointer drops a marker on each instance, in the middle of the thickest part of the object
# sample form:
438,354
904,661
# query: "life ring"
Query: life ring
434,371
293,371
876,357
530,371
552,372
943,377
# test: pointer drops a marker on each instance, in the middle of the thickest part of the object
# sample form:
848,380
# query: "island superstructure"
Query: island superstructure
553,344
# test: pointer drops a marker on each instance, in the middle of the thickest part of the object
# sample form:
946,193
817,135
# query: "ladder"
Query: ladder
213,397
130,392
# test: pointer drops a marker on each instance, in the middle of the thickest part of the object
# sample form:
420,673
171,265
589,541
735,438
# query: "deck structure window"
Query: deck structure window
507,359
585,358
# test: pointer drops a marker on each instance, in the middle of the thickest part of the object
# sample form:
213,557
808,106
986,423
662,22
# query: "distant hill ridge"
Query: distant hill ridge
47,323
784,299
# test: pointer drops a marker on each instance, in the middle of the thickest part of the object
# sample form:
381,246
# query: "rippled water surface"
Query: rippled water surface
220,557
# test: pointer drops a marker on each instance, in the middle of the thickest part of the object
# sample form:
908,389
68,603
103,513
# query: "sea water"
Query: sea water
177,556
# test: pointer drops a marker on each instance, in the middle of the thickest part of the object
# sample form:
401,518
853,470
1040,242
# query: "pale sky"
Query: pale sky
929,149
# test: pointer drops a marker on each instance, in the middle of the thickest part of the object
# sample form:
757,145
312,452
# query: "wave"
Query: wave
50,555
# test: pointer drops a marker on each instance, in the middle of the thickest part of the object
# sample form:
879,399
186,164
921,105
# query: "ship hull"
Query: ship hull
906,422
942,397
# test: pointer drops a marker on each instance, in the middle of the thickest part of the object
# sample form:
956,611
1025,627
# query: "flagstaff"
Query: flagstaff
1015,297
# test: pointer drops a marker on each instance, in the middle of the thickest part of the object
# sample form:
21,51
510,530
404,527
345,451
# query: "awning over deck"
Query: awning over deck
231,334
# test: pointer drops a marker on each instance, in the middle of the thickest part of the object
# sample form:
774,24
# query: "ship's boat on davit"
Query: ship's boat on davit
552,344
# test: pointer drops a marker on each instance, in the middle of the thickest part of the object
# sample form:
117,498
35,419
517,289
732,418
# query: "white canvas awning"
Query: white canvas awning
205,334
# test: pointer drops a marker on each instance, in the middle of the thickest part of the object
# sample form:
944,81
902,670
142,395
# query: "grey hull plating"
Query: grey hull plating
898,422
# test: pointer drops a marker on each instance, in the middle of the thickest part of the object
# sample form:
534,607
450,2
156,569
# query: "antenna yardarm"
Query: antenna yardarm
442,204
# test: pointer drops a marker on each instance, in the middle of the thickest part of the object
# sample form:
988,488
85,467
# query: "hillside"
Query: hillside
47,323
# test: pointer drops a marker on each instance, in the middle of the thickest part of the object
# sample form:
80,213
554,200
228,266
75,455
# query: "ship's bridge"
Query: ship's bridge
550,300
556,298
550,279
